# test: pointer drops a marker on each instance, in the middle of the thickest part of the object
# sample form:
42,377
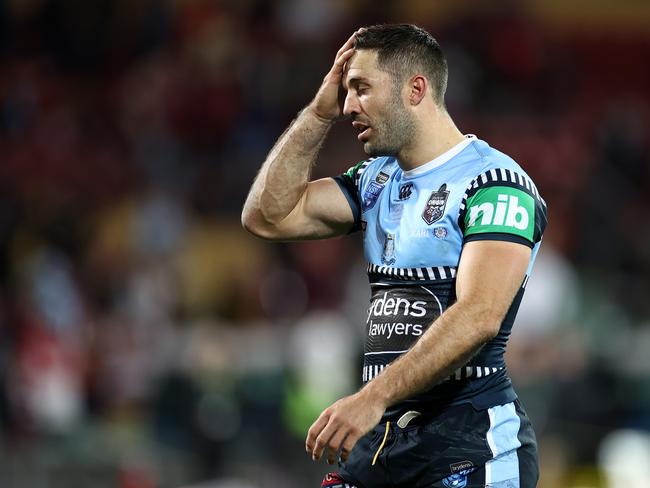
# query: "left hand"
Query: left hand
342,424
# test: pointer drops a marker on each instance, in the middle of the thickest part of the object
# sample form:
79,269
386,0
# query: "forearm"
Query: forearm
286,171
447,345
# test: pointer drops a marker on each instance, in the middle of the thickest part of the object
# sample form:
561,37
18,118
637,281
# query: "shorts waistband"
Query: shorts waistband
406,419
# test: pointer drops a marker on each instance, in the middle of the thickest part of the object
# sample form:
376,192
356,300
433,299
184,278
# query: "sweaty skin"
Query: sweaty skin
283,205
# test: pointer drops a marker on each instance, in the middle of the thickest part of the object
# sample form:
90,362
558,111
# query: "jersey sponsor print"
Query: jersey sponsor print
397,316
501,209
415,226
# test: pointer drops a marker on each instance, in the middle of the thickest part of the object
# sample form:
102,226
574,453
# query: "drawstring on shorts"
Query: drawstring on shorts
383,442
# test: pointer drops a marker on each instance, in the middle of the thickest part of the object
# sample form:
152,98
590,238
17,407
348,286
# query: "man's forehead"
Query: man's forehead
362,64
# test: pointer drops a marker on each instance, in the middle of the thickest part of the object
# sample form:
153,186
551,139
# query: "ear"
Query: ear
418,87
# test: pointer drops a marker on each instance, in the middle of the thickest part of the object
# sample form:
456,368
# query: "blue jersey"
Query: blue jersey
414,225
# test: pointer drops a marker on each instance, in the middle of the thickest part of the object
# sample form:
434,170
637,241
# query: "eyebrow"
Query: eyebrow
355,80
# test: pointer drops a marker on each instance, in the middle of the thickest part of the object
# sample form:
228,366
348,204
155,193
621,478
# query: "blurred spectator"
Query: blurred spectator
147,341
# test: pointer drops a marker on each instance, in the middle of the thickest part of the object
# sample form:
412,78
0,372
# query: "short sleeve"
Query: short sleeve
503,205
349,183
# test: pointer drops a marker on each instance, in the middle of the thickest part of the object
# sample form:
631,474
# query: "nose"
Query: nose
351,104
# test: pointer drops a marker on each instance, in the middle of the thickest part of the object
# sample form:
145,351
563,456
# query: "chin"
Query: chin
375,151
372,150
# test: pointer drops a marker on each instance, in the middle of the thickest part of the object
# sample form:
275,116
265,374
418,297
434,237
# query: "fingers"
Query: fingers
323,439
330,432
342,59
346,50
314,431
342,424
335,76
347,446
349,43
327,105
335,445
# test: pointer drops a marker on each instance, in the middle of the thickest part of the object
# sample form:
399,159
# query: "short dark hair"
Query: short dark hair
406,49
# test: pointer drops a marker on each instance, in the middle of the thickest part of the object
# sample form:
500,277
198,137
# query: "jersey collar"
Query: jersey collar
442,159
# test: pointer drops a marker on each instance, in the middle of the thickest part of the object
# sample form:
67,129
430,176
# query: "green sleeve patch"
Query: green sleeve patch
500,209
353,170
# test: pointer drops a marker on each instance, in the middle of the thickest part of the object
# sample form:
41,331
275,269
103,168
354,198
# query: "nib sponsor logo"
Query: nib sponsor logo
507,213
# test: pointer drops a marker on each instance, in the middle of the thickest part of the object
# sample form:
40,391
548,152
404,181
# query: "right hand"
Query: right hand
327,105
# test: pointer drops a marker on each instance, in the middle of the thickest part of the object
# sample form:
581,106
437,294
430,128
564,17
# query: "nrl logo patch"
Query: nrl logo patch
436,204
382,178
458,480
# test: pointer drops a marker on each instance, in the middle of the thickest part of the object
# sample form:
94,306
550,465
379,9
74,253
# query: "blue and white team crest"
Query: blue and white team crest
436,204
457,480
373,191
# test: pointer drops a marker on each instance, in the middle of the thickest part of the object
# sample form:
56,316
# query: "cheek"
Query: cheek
367,104
383,117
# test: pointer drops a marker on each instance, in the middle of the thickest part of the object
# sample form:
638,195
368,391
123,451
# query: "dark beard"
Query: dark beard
393,132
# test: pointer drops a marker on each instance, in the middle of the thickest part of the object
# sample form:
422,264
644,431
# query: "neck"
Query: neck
436,134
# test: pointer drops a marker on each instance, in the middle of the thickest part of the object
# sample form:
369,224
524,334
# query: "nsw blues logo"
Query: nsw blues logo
436,204
458,478
373,191
371,195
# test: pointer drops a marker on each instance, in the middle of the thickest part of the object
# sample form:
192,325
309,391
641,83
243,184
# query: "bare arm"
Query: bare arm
283,203
489,276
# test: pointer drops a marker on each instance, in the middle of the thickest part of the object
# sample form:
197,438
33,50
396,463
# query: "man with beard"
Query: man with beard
451,229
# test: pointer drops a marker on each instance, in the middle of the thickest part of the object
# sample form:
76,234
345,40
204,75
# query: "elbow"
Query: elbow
490,323
252,225
259,228
248,222
490,328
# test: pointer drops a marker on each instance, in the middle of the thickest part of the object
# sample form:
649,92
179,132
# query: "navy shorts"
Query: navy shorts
460,447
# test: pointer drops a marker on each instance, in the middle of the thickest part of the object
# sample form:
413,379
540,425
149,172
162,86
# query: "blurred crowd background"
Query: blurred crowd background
147,341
